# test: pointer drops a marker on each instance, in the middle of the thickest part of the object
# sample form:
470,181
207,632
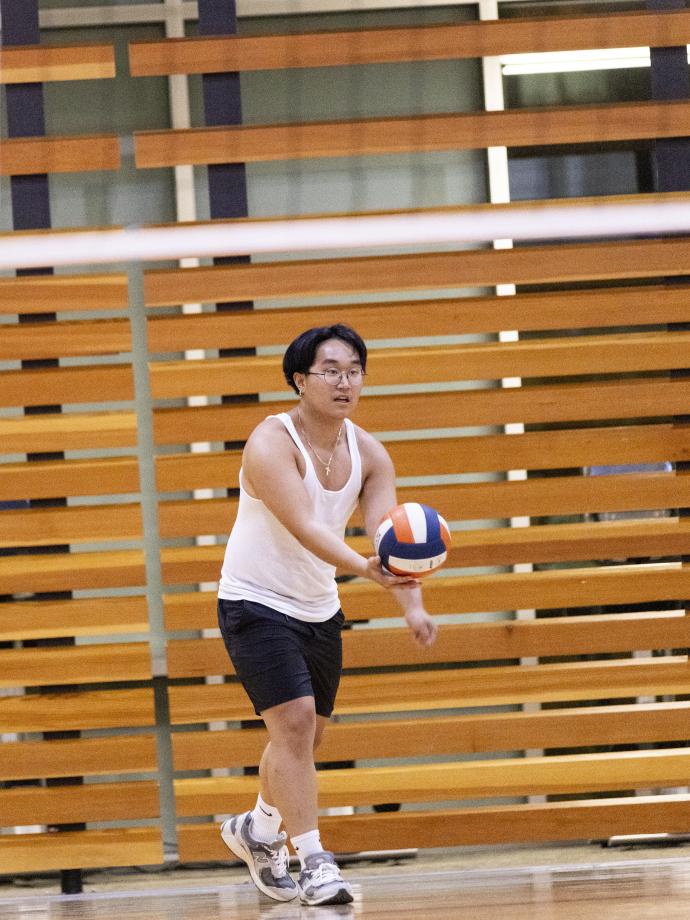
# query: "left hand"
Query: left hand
422,626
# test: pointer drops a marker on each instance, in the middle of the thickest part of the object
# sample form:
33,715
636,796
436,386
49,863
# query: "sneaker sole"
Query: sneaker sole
237,847
342,896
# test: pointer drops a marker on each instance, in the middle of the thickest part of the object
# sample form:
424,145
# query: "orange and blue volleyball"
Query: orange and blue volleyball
412,539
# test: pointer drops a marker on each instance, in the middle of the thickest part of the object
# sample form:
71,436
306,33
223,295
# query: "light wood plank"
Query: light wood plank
421,133
45,619
139,846
48,478
425,43
60,293
515,731
465,501
618,399
38,155
65,339
80,664
50,63
414,457
78,711
82,524
555,310
614,354
566,821
509,640
429,782
93,383
459,688
67,431
72,571
69,804
78,757
429,271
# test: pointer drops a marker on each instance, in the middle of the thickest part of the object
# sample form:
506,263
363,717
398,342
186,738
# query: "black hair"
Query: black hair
300,353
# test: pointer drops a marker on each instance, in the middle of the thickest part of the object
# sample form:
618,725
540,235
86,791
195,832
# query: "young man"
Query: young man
303,473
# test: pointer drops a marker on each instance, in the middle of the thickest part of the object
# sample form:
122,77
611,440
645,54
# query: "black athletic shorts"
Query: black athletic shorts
279,658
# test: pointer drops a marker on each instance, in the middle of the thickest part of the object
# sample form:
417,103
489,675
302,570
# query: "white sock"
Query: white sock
306,844
266,821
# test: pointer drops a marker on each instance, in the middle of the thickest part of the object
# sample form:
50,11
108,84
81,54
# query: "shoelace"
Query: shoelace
325,872
276,855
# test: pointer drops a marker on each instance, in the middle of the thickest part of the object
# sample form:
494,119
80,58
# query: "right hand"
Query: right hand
377,573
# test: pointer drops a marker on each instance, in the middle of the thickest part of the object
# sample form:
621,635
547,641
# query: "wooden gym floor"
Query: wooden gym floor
618,886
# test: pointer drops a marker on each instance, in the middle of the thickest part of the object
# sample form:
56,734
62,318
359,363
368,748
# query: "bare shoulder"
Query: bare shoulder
374,455
269,436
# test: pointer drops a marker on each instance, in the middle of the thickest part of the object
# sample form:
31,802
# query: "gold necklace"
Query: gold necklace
326,463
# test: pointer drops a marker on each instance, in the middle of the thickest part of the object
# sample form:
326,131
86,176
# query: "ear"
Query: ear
300,381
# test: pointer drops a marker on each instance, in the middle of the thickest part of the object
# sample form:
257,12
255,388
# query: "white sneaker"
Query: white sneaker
267,862
320,882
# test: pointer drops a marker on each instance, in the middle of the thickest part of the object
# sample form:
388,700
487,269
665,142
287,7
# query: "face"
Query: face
340,399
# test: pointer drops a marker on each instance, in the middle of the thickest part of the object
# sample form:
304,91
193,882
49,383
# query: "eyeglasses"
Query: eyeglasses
333,376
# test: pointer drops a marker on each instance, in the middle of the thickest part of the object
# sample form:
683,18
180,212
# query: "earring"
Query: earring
301,393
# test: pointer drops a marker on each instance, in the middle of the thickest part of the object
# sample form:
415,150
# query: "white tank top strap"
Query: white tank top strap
292,431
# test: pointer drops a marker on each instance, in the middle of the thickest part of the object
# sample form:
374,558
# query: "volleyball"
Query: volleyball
412,539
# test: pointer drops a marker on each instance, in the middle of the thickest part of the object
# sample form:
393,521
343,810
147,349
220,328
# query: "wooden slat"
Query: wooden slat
614,354
576,773
601,540
65,339
429,271
421,133
59,293
637,305
138,846
466,501
69,804
48,478
461,687
81,664
553,821
75,711
78,757
615,400
47,64
72,571
37,155
514,731
426,43
87,523
74,617
415,457
509,640
67,431
94,383
467,594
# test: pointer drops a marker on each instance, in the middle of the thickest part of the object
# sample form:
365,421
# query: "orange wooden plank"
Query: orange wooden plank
428,271
37,155
423,43
50,63
422,133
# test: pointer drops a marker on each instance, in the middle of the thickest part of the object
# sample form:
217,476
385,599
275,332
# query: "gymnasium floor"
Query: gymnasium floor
514,883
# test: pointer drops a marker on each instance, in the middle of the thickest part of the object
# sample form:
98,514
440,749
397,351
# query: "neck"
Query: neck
317,426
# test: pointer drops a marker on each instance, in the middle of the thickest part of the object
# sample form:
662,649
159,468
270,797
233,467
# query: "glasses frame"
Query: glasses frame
342,375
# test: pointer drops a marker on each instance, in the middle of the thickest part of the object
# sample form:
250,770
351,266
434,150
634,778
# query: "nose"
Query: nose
344,379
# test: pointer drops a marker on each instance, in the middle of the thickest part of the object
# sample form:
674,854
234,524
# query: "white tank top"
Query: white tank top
266,564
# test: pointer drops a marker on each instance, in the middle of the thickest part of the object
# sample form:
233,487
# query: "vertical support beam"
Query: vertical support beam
31,211
671,80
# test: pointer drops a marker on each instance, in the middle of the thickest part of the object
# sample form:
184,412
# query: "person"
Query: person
303,473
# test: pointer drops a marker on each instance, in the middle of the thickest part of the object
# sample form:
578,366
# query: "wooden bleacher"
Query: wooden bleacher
604,659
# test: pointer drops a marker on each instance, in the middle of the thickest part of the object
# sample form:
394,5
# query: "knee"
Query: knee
295,726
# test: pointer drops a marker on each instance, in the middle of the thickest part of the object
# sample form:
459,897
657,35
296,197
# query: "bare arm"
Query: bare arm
377,497
270,469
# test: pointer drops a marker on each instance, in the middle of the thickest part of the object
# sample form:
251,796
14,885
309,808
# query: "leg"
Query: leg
288,775
266,794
